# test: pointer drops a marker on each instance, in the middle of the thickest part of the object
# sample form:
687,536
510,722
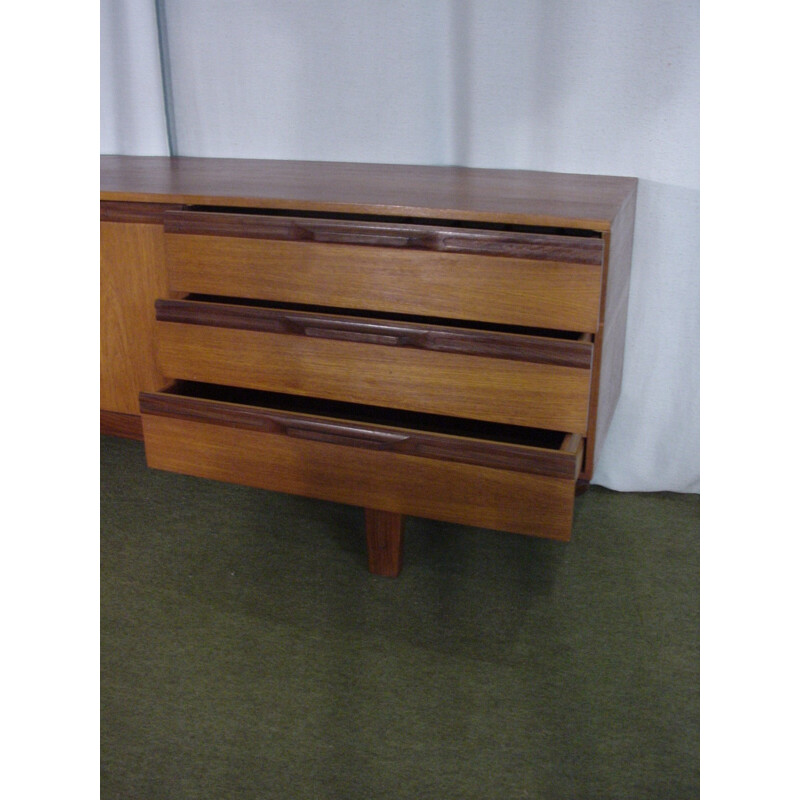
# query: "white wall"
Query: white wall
595,86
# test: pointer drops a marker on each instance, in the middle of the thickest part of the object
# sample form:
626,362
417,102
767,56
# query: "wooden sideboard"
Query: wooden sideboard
432,341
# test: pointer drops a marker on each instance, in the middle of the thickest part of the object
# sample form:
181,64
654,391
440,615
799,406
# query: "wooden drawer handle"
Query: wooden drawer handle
351,335
351,437
527,455
374,239
518,347
431,235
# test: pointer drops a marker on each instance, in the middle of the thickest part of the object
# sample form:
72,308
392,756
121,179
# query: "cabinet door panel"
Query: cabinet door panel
132,276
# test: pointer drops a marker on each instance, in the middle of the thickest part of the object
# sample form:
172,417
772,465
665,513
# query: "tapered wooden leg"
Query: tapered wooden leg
384,542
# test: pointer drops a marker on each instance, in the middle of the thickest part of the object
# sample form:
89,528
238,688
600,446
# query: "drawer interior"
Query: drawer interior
411,319
417,233
566,348
368,415
518,448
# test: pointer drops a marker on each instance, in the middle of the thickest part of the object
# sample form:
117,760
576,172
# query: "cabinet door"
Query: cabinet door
132,276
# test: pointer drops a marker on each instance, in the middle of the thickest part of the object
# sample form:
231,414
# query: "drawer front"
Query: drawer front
543,281
531,381
348,468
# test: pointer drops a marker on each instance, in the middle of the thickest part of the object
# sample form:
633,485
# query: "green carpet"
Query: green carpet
248,653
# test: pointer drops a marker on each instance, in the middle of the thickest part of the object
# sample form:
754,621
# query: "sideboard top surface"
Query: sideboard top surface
487,195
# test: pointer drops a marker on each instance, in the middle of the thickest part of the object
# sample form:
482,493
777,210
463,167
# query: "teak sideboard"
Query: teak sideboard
440,342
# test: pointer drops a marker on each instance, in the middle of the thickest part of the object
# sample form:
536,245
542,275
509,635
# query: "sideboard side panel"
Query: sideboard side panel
610,338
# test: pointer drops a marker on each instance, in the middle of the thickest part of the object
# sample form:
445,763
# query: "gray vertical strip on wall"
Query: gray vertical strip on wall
460,101
166,76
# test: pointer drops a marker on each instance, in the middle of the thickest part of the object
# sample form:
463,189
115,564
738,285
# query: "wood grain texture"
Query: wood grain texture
512,392
510,291
491,195
382,239
429,236
132,276
454,445
610,338
566,352
126,426
384,542
152,213
400,484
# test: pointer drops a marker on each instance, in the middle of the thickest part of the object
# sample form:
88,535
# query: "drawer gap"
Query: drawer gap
400,220
373,415
362,429
489,327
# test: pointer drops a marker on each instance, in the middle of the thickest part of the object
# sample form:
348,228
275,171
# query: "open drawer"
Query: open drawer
493,476
539,381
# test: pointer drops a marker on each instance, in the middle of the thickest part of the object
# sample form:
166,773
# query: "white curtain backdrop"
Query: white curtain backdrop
590,86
